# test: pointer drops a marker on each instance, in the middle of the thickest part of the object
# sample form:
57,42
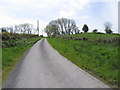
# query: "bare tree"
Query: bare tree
64,26
7,29
25,28
108,27
17,29
49,29
3,29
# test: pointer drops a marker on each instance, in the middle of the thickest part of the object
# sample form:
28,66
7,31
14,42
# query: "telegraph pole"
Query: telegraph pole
38,26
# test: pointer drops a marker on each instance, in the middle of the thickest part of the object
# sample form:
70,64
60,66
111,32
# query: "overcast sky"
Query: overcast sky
91,12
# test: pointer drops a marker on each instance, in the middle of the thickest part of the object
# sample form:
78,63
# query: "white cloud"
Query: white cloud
67,14
84,17
71,8
78,4
5,20
104,0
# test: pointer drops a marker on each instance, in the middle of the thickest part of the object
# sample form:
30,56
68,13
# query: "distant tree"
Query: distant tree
49,30
85,28
7,29
17,29
95,31
54,28
25,28
108,27
109,31
11,29
62,26
76,30
3,29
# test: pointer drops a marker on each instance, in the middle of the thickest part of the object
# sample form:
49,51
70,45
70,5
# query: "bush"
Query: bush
108,31
41,35
6,36
95,31
12,39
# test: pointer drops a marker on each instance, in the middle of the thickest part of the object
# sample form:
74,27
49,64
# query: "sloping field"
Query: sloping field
95,53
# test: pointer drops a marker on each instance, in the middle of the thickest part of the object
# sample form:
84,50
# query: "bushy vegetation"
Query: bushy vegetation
13,48
95,53
11,39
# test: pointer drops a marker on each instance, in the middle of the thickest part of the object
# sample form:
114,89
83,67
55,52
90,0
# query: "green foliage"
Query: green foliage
85,28
98,58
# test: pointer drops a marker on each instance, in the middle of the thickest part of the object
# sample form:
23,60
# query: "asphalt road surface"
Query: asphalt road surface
44,67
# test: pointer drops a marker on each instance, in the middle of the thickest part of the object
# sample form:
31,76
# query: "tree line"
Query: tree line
64,26
25,28
60,26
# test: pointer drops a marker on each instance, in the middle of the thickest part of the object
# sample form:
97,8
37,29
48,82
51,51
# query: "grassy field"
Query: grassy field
94,53
12,54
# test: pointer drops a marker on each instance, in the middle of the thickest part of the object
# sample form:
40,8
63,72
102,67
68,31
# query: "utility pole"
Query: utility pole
38,26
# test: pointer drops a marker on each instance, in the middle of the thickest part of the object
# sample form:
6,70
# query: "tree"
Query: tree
3,29
17,29
85,28
51,30
11,29
108,27
76,30
7,29
109,31
62,26
48,30
26,28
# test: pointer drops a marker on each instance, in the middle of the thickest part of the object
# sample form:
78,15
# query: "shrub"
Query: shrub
108,31
95,31
6,36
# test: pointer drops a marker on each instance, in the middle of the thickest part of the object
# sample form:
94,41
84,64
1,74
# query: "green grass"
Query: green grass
93,36
98,58
12,55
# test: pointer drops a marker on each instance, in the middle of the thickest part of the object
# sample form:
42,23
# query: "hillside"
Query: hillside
94,53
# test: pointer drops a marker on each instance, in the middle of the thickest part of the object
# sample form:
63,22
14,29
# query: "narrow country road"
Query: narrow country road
44,67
